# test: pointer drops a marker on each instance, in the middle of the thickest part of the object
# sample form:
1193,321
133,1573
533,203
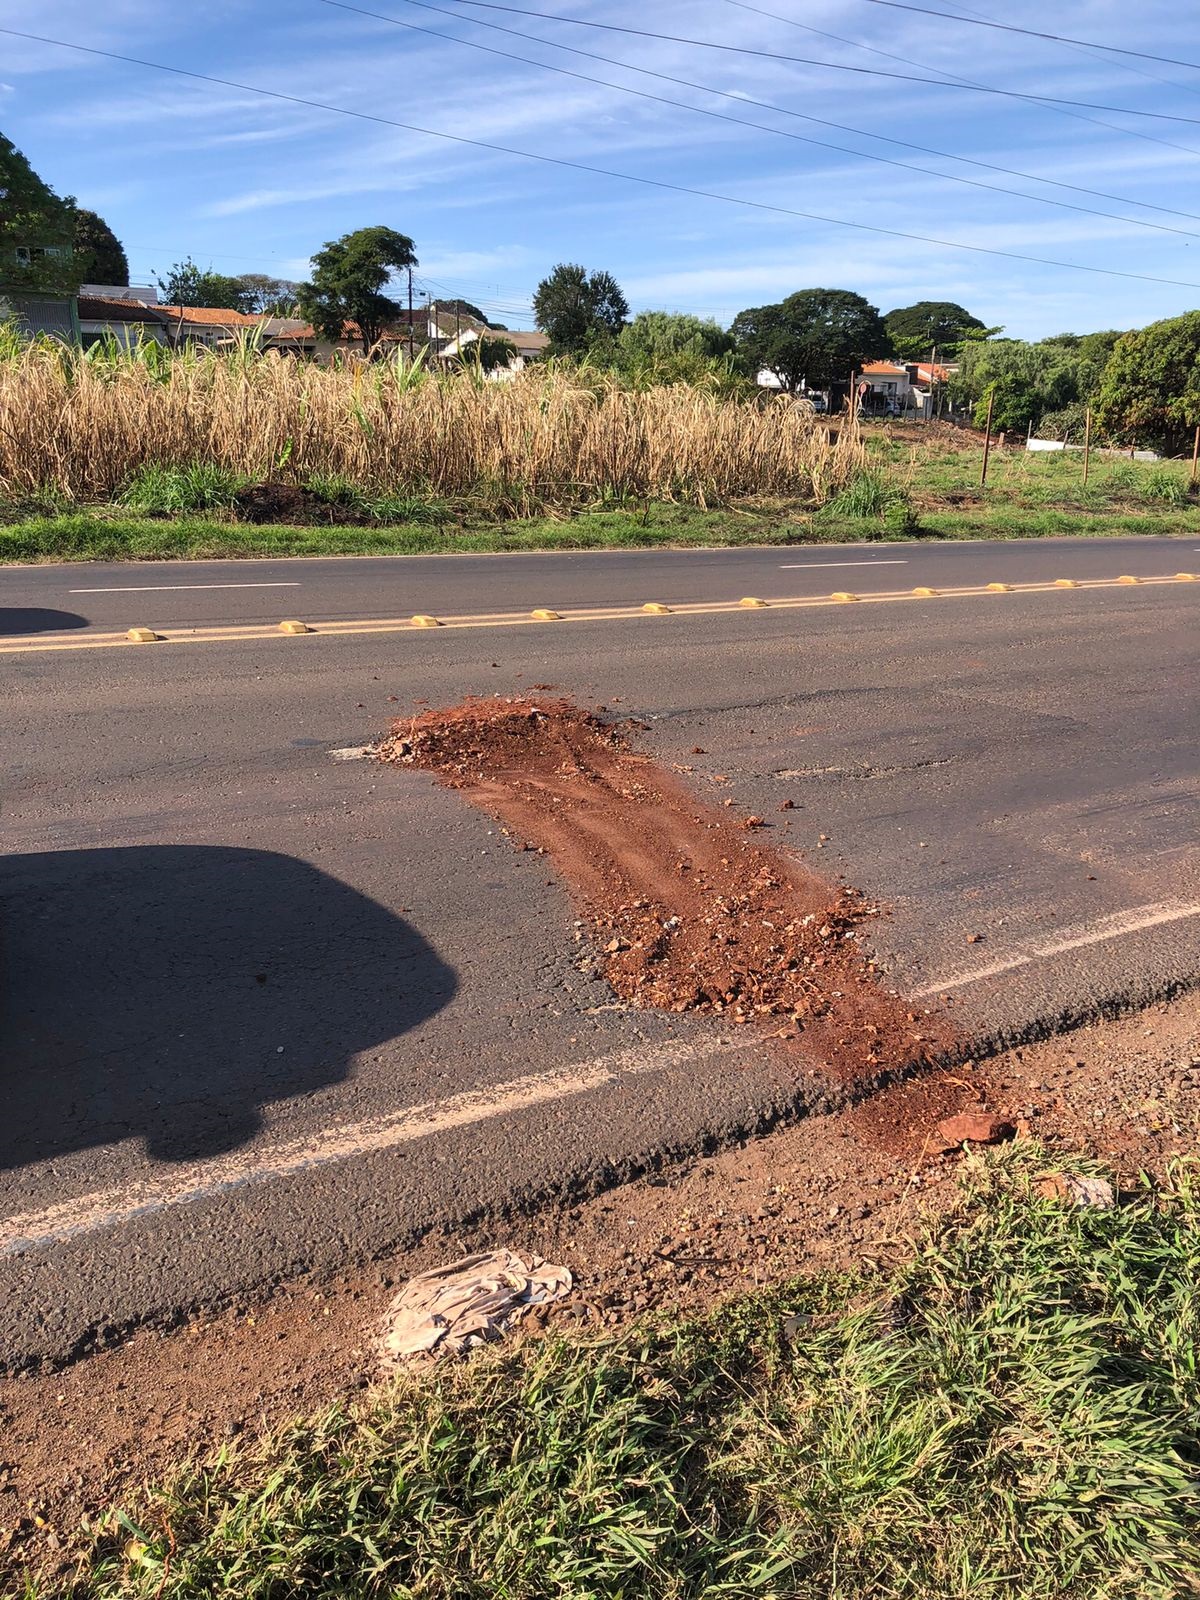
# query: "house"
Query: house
895,388
145,292
529,346
209,326
129,322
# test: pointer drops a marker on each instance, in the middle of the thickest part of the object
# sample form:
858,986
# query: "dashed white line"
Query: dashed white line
1110,927
817,566
162,588
203,1180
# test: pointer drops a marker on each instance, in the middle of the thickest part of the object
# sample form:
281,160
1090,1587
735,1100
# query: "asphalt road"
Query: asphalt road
264,1010
41,599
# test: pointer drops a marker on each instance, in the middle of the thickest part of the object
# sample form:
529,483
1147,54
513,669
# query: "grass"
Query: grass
1009,1415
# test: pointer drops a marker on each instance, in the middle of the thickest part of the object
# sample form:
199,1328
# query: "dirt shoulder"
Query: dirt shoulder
826,1192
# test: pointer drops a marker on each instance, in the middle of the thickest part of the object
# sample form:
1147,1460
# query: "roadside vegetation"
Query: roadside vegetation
1009,1412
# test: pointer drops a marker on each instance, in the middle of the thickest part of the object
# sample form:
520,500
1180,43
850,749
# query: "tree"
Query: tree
464,308
349,278
814,338
578,309
186,285
666,335
1150,391
669,347
1057,377
37,230
99,255
488,354
264,296
916,331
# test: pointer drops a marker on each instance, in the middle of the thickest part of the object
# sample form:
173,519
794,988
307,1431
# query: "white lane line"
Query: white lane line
1110,927
202,1180
162,588
816,566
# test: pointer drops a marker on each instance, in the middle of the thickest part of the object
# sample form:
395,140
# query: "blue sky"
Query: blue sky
243,183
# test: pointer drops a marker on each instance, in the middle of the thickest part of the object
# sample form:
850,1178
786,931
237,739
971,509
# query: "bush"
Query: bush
163,491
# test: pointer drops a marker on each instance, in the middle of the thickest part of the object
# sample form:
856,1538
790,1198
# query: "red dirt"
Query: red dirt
689,910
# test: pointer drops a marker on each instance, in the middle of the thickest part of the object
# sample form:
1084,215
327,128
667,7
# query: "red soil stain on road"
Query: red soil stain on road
688,911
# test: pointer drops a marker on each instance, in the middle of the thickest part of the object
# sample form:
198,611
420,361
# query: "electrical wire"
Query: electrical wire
832,66
596,171
820,122
971,83
742,122
1035,33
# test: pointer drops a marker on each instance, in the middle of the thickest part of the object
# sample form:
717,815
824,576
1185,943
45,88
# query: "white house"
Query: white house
529,346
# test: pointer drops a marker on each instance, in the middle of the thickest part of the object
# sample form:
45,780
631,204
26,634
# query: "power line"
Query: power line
1035,33
832,66
970,83
820,122
741,122
601,172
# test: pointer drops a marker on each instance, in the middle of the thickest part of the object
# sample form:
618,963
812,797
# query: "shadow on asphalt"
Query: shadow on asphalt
169,991
16,620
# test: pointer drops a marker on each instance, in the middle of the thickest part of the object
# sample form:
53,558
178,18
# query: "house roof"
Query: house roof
213,316
526,341
883,369
99,308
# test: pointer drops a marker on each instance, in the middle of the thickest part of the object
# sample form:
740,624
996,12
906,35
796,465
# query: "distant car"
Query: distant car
818,402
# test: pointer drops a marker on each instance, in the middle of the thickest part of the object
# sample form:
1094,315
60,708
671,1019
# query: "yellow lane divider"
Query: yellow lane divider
232,632
925,592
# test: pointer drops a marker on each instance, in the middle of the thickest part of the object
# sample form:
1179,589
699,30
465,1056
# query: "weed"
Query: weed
1010,1416
167,491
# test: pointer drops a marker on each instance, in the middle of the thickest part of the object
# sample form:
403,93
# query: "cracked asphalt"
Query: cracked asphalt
219,944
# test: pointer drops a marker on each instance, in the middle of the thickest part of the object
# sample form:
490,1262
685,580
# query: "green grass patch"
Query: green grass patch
100,536
1010,1416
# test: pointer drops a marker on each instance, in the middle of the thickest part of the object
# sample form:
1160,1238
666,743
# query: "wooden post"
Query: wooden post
411,329
1087,443
987,442
1195,458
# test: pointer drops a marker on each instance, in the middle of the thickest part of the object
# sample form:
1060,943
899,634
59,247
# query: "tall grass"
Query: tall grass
86,426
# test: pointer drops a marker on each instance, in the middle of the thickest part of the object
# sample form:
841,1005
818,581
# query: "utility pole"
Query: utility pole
1087,443
987,443
411,330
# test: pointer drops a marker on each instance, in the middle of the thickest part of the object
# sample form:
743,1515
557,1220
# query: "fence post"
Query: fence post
1195,458
987,442
1087,443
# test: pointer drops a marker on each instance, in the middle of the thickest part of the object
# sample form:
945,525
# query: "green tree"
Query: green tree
265,296
37,230
917,330
814,338
669,347
349,278
186,285
463,308
1056,378
1150,391
99,255
488,354
578,309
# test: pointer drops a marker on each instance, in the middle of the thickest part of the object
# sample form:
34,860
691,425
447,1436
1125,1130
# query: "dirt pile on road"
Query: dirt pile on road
689,910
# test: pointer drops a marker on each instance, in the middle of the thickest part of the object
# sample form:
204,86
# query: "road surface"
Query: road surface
266,1009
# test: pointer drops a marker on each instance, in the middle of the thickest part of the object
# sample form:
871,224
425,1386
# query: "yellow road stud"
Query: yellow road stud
1065,583
294,627
544,614
421,620
143,636
1187,577
1000,588
1127,578
843,594
925,591
656,608
751,600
